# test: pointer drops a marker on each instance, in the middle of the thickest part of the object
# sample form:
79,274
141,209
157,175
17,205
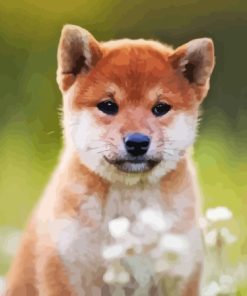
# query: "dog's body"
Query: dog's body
130,115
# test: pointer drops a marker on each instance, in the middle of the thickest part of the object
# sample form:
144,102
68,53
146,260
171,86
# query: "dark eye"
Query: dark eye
108,107
161,109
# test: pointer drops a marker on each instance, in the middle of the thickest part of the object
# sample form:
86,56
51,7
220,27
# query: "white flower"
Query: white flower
116,273
154,219
173,243
123,277
228,237
118,227
218,214
213,289
211,238
113,252
109,276
227,284
145,235
223,234
132,244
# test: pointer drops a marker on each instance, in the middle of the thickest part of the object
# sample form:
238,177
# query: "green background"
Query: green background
30,136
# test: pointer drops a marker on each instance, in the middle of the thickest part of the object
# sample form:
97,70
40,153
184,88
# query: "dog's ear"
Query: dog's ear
195,60
78,52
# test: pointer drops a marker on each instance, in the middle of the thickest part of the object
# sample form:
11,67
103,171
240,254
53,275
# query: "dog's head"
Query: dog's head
131,106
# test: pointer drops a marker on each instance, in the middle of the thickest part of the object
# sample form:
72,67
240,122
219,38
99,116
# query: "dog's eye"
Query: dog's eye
161,109
109,107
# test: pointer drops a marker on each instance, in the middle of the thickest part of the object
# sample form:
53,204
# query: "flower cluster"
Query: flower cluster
145,250
142,250
219,279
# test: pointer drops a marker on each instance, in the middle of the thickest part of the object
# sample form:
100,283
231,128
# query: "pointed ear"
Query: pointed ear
78,52
195,60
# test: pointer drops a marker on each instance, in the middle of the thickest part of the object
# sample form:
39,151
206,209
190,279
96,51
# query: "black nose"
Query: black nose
137,144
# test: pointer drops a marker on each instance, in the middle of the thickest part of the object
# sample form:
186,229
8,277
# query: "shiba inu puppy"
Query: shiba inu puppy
130,113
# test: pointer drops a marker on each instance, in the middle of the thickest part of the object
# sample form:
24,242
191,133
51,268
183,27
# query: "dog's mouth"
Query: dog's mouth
134,165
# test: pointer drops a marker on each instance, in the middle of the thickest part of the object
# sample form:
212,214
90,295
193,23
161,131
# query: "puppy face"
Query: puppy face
131,107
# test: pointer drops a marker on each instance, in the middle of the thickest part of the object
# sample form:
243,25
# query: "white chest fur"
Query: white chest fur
80,243
128,201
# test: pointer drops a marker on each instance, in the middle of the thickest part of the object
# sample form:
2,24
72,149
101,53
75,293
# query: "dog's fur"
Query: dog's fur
60,252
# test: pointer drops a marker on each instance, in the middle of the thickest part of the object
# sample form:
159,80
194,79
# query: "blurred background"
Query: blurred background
30,135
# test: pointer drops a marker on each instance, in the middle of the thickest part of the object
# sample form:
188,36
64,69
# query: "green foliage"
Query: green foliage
30,137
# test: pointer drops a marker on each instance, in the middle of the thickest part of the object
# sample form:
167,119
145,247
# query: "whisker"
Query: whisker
171,149
169,153
158,146
103,151
111,144
103,142
175,141
95,148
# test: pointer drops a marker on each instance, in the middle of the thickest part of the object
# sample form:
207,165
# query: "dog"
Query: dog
130,116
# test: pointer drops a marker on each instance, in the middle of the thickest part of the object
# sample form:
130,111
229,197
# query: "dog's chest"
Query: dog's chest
80,241
129,201
89,231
